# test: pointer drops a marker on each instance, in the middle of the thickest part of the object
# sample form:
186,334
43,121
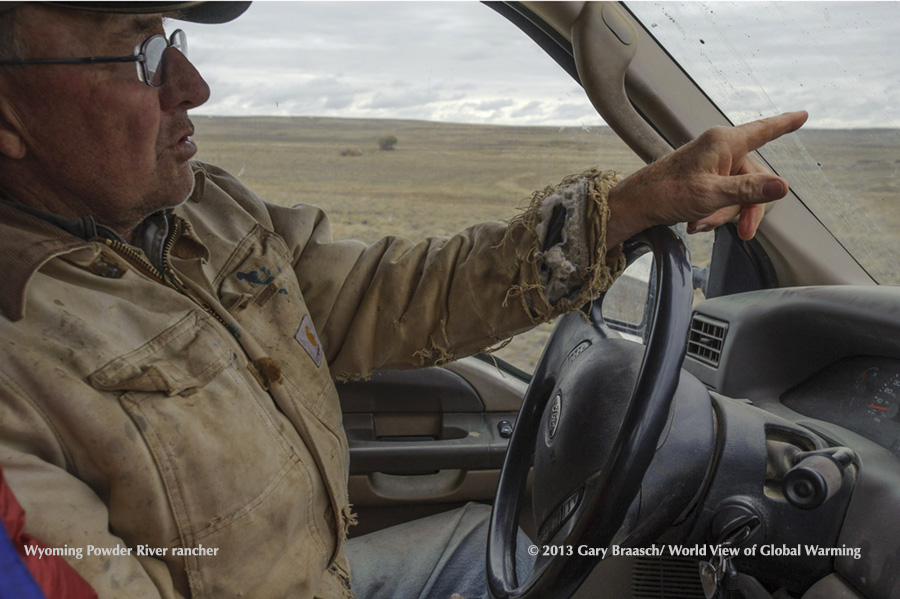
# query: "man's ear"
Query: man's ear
12,143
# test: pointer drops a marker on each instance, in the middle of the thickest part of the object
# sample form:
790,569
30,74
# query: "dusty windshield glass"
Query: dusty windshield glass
841,62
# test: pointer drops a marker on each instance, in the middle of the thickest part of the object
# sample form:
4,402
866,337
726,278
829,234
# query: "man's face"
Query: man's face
97,140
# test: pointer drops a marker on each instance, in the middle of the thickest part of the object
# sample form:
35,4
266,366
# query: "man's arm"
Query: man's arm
63,511
396,303
33,572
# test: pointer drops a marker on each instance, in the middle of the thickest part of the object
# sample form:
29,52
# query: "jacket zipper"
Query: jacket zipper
167,276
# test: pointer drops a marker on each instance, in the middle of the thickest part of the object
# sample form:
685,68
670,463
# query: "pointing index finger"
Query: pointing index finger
758,133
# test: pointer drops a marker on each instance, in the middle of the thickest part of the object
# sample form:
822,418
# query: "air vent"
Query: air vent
706,339
666,577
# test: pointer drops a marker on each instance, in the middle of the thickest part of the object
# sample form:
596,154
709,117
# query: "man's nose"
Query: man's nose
184,88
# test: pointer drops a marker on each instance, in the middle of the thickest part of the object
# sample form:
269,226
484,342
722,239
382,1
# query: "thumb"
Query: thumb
755,188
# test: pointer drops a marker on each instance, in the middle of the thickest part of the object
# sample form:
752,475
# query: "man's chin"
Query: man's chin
189,193
184,189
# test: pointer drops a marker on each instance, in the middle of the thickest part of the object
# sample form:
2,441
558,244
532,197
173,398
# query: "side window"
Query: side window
412,119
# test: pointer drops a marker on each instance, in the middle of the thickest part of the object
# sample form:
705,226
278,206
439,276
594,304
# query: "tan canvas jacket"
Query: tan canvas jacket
179,435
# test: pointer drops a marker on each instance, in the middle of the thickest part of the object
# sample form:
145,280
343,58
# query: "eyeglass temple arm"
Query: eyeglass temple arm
86,60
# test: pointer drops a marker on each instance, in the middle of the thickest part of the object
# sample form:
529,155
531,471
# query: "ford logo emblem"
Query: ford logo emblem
555,408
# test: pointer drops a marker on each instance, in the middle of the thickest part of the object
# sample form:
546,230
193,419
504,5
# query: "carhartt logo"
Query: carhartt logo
308,339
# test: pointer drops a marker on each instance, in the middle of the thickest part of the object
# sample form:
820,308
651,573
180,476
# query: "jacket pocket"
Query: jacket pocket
184,357
233,479
258,269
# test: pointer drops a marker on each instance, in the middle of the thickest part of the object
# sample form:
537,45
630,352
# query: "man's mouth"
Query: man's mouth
185,147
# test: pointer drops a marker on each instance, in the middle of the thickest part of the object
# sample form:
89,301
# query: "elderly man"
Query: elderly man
169,340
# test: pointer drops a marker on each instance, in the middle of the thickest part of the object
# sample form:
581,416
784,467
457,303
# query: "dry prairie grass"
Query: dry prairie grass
850,178
440,178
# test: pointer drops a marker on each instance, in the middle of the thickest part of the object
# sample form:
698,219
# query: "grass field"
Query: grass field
442,177
851,179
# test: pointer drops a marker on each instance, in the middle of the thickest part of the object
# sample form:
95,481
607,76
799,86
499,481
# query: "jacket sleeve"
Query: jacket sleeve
396,303
64,512
47,576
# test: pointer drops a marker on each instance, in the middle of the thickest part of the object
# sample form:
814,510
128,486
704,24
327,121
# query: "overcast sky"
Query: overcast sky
461,62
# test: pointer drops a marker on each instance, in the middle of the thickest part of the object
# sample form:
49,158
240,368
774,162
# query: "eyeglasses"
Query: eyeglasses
149,56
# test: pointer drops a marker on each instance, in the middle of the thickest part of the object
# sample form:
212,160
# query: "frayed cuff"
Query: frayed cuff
575,265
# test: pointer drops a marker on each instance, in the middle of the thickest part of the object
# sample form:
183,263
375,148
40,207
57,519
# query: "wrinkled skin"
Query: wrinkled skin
94,140
706,183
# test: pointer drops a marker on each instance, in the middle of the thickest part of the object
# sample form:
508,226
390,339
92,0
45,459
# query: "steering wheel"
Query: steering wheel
592,418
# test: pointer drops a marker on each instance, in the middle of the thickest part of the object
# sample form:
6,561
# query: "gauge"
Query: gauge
886,402
861,394
881,398
882,409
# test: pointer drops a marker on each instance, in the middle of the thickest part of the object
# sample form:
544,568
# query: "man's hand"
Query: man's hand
705,183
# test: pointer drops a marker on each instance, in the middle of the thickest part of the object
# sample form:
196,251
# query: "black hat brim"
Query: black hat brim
196,12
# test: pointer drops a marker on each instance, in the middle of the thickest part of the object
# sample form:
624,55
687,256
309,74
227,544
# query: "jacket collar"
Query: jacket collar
26,244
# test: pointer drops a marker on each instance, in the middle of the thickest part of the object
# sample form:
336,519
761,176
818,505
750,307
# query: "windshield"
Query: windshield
841,62
401,118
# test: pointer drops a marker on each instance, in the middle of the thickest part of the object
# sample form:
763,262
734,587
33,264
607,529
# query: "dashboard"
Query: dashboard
825,360
810,348
861,394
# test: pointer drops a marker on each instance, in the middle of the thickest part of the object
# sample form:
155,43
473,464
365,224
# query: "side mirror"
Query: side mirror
627,305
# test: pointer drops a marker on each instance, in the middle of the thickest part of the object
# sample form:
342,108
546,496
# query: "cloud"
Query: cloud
531,109
422,60
399,99
461,61
493,105
831,58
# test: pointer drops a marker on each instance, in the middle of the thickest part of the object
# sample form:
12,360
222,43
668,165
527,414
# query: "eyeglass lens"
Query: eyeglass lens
154,51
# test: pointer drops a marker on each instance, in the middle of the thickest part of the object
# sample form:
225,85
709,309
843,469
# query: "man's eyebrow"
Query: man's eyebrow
140,27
